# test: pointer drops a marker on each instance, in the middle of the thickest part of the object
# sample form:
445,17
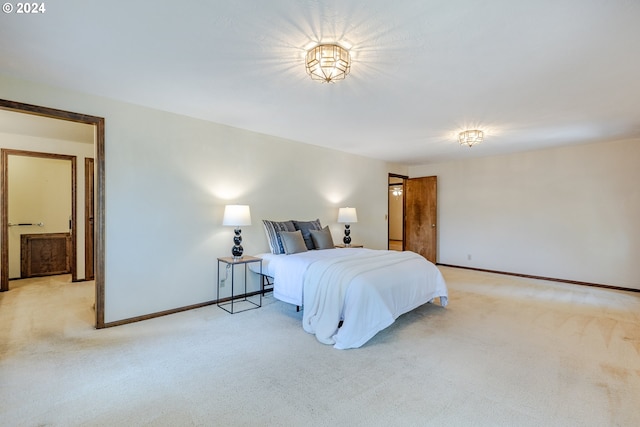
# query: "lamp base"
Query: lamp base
347,238
237,249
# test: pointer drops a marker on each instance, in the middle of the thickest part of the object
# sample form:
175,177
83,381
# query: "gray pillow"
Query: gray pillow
292,242
322,238
305,226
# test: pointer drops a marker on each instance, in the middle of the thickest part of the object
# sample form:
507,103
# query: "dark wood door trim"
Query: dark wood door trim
89,207
404,178
99,220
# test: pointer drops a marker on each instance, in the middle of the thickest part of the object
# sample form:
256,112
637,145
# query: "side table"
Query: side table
229,304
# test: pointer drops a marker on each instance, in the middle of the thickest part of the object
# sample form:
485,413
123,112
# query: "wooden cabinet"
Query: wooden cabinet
45,254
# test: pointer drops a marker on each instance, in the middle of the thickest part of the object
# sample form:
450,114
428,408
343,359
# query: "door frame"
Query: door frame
89,214
404,178
6,152
99,222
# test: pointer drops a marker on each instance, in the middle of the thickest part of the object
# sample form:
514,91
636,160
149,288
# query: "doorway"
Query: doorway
396,212
98,223
40,193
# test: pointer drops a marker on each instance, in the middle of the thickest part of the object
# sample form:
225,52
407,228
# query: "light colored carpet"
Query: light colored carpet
505,352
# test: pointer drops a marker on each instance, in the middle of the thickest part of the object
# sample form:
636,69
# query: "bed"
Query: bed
350,294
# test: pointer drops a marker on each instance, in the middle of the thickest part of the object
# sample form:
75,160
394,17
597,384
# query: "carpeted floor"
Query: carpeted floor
505,352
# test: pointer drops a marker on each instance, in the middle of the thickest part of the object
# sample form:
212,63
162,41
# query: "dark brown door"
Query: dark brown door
420,227
89,203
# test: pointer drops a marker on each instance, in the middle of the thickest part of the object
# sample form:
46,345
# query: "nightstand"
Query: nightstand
237,303
350,246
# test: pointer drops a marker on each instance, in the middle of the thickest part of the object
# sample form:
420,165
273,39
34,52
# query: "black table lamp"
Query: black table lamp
347,216
236,216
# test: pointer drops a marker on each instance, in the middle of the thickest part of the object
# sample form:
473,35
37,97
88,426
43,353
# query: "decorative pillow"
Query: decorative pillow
322,238
273,229
292,242
305,227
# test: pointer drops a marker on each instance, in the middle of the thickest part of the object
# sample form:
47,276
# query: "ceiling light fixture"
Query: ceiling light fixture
471,137
328,62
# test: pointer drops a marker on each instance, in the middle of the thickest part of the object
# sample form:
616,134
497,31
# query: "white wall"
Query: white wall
168,178
569,213
57,146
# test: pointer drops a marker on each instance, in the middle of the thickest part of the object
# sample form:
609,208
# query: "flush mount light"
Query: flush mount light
328,62
471,137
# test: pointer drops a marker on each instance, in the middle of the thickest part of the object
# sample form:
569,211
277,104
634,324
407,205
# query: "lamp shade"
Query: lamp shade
347,215
236,215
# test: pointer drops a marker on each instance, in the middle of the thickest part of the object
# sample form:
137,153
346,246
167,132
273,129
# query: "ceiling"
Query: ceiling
530,74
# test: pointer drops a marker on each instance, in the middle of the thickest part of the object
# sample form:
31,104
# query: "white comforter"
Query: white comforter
366,289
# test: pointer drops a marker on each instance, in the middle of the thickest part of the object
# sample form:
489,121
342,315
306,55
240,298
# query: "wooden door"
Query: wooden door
89,228
420,210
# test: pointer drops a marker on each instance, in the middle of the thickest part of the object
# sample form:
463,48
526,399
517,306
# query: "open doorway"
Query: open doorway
97,125
396,212
41,205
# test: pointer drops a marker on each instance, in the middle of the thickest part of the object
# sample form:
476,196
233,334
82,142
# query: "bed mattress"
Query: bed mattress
364,290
